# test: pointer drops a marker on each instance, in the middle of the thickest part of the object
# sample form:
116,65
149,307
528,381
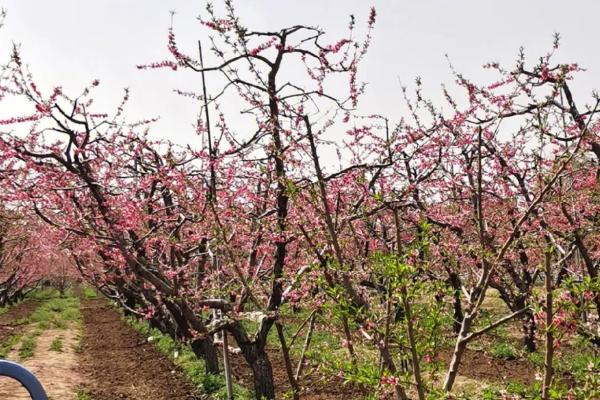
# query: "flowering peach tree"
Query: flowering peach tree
395,230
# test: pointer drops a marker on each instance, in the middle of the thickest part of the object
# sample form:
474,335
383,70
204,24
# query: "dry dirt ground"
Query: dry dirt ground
10,321
57,371
118,363
315,386
103,358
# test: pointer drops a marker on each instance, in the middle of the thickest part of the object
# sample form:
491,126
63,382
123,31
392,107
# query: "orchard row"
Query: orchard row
384,224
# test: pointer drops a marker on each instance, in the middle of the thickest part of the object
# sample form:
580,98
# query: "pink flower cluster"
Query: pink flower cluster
158,65
390,380
255,51
219,25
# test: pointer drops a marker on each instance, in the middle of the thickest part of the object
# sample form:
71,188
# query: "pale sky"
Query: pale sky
69,43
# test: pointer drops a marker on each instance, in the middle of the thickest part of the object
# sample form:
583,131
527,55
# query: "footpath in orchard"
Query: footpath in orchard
118,363
91,354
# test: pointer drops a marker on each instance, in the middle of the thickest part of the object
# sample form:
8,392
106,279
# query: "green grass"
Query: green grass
82,395
57,345
57,313
8,345
536,359
89,293
504,351
28,345
43,294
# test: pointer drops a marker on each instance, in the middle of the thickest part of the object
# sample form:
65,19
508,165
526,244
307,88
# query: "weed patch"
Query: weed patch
28,345
504,351
57,345
8,345
89,293
56,312
83,395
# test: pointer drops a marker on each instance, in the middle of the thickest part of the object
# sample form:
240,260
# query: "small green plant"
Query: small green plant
536,359
586,370
515,387
504,351
28,346
8,345
489,394
77,348
83,395
89,293
57,345
43,294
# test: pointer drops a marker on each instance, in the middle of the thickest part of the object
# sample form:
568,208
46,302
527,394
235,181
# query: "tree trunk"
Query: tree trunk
305,347
528,328
457,304
130,302
348,336
459,350
202,348
255,355
548,359
205,349
263,374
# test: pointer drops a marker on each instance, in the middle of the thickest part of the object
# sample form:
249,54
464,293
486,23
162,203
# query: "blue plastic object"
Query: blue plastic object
25,377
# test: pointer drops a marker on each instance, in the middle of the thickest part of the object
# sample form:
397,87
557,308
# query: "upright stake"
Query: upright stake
226,364
227,367
211,150
212,197
548,359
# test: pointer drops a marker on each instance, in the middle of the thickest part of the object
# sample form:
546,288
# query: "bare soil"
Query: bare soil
482,366
11,321
117,363
315,386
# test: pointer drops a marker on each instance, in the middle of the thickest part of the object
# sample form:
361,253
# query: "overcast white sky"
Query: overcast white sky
71,42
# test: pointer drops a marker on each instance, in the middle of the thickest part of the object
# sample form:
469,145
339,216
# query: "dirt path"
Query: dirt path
117,363
11,321
103,358
56,370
